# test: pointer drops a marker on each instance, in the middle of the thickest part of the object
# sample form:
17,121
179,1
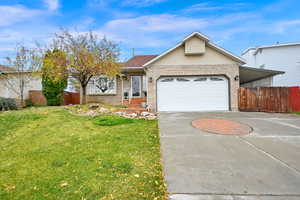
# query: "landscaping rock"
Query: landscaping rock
120,113
151,117
91,113
131,115
97,109
103,110
144,114
94,106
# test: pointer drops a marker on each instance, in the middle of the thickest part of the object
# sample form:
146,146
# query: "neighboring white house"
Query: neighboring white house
10,83
281,57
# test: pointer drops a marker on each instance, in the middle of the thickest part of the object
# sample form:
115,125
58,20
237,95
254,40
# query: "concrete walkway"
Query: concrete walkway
264,165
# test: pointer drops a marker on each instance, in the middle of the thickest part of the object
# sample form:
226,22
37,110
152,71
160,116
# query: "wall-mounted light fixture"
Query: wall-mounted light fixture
236,78
150,79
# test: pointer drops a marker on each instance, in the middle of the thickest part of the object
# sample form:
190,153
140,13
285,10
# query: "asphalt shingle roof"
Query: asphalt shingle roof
6,69
138,61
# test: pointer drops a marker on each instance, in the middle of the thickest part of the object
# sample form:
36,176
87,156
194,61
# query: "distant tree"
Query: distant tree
23,66
87,56
54,76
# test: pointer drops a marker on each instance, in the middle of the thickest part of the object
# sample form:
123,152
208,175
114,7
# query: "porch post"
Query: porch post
142,86
130,92
122,89
147,91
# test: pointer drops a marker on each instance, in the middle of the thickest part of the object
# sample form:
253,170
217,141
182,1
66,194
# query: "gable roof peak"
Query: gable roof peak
208,42
198,34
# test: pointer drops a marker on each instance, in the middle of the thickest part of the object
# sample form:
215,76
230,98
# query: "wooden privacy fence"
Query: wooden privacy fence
37,98
71,98
270,99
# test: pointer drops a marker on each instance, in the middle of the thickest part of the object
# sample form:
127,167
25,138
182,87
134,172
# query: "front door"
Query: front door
136,86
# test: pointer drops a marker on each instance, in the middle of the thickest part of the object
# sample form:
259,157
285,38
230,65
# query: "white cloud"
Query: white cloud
27,35
52,5
209,6
111,4
165,29
150,30
282,26
141,3
156,23
9,35
16,13
85,23
203,6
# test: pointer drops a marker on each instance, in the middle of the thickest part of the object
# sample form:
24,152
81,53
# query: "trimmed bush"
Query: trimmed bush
7,104
54,78
53,91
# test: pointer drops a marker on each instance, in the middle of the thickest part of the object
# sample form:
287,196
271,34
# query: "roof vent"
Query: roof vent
194,46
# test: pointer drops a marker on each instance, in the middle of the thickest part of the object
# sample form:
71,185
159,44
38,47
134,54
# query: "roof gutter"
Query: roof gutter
271,73
275,72
132,69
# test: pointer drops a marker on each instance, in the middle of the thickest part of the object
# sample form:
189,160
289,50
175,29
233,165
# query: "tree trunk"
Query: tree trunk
22,93
83,95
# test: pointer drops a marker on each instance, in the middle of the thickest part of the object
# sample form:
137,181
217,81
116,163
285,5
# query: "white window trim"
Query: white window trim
105,94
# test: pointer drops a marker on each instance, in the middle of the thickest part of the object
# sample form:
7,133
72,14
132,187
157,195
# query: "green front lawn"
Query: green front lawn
48,153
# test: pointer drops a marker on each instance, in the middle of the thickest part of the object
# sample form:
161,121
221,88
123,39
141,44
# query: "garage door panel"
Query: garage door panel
203,95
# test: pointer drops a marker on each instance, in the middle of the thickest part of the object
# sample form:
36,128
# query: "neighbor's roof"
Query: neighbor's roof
208,42
138,61
6,69
249,74
270,46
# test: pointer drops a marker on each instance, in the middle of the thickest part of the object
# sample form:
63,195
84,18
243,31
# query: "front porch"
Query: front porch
134,90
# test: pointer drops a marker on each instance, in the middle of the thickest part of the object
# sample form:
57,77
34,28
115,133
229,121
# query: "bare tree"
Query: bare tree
23,66
87,56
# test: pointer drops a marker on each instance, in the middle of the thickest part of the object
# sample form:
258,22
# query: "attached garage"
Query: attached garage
194,75
192,93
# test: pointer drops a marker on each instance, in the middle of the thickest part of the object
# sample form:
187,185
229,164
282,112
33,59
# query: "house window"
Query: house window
182,79
167,80
200,79
216,79
102,85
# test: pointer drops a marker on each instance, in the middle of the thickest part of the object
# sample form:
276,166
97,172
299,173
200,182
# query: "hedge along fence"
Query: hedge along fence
270,99
37,98
8,104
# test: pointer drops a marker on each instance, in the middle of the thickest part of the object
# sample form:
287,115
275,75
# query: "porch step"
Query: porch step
136,103
137,100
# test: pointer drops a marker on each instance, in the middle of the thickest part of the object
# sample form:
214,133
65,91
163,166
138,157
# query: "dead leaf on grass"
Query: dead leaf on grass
64,184
9,187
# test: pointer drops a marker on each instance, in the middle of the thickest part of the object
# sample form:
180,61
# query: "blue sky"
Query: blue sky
151,26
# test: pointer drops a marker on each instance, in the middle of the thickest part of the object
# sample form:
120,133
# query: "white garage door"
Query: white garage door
197,93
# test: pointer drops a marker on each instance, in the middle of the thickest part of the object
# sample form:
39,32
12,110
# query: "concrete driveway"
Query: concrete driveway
264,165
